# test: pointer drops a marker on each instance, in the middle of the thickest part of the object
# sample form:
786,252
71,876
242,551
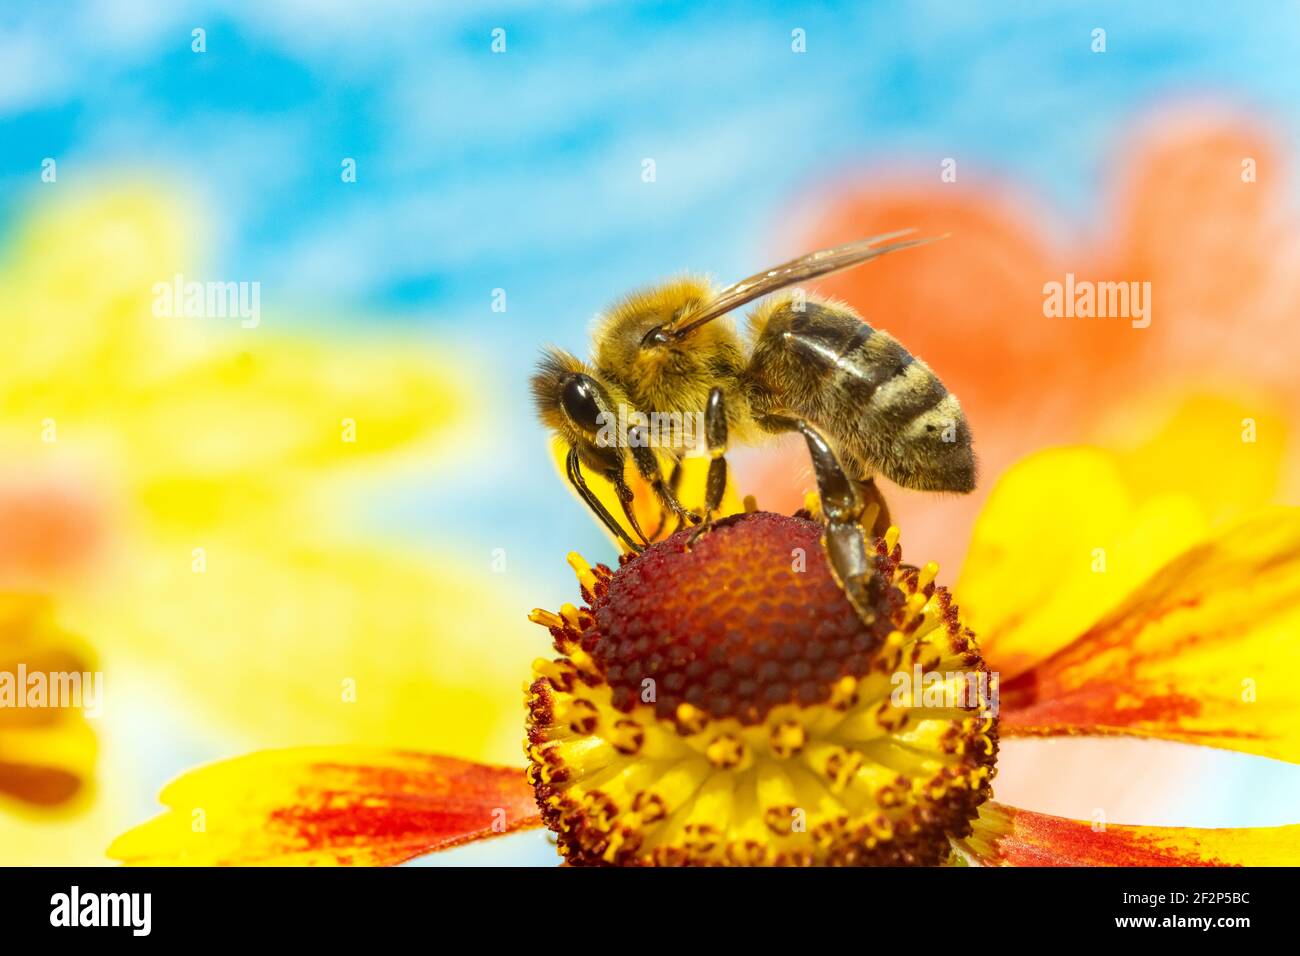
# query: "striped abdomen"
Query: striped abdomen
884,408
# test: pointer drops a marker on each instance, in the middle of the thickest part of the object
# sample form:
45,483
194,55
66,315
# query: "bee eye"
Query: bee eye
656,336
579,401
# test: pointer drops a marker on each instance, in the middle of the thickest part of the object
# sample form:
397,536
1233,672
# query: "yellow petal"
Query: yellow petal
1204,652
269,418
1067,533
326,806
1008,836
1223,453
1061,540
76,291
198,421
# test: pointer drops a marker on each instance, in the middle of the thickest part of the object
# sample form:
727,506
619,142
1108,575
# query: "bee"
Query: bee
864,404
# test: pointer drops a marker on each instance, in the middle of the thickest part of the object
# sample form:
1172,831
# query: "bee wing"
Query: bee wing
814,264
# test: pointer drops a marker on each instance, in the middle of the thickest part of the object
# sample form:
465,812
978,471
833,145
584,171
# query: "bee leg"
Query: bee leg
868,491
674,483
573,468
847,542
625,498
647,464
715,434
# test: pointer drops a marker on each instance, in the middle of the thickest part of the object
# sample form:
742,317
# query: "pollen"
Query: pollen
724,704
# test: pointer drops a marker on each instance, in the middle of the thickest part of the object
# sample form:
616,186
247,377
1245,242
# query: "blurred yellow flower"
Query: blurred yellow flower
184,490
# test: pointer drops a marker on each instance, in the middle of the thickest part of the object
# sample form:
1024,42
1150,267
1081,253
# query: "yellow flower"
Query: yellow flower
773,733
724,704
186,490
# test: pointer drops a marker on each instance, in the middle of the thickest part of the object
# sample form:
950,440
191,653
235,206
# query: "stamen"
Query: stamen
891,538
545,618
570,614
586,578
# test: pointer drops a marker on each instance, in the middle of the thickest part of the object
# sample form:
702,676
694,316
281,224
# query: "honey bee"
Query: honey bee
863,403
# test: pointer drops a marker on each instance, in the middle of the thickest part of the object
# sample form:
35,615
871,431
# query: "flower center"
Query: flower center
726,704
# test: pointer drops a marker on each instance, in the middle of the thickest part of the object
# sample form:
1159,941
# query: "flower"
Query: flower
779,713
772,734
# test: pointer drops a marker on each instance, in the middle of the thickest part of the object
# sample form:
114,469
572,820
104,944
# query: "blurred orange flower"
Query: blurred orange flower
1195,206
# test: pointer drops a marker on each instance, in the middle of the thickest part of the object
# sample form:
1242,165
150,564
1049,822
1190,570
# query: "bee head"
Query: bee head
571,400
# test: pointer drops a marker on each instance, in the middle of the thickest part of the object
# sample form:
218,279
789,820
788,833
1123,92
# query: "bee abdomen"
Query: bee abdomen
881,404
885,380
828,355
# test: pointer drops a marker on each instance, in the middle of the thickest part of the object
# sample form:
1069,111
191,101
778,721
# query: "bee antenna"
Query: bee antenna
811,266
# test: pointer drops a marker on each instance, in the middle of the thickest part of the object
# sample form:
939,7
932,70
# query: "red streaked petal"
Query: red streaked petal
1205,652
1009,836
328,805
